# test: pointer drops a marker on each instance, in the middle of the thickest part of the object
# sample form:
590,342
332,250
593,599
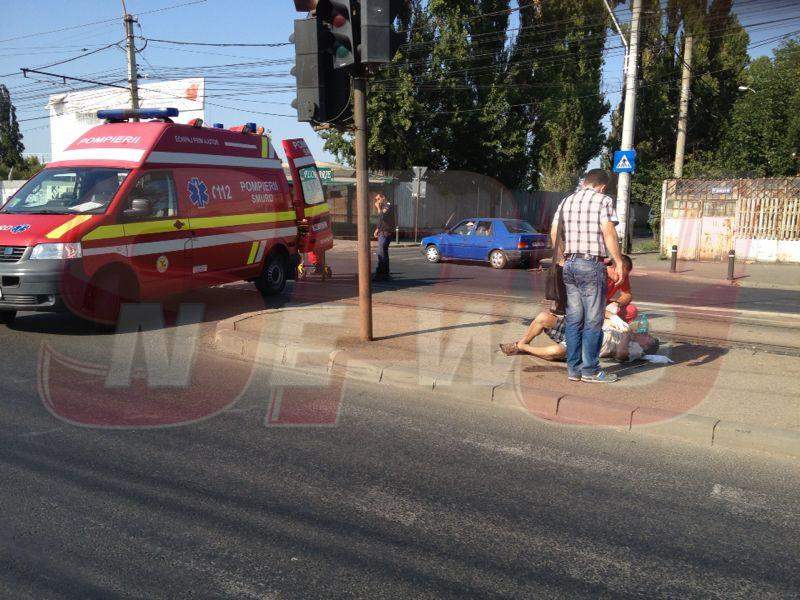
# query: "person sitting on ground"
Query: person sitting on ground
621,305
622,346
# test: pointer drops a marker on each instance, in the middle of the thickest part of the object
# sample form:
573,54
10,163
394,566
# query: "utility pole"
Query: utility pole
683,114
629,124
133,73
362,203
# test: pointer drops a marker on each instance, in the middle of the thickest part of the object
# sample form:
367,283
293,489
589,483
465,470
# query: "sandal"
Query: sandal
510,349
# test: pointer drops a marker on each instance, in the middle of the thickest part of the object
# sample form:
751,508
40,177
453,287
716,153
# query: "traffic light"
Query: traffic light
323,93
337,17
379,41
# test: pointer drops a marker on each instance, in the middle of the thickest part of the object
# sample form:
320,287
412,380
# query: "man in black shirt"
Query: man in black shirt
384,232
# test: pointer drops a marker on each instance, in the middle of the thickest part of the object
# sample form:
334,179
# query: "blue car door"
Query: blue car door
480,242
457,240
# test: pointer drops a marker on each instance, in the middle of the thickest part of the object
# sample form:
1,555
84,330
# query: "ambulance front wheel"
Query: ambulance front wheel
273,278
7,317
108,291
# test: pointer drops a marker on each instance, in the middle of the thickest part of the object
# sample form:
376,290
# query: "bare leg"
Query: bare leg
552,352
543,320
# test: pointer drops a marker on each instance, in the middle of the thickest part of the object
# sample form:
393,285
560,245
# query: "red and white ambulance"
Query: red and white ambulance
136,211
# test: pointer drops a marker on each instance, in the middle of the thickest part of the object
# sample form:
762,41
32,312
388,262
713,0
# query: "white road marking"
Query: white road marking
741,500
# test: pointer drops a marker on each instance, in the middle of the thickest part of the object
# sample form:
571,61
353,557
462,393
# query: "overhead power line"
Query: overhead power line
100,22
216,44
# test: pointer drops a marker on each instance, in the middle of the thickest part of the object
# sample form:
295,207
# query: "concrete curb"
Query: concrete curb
546,404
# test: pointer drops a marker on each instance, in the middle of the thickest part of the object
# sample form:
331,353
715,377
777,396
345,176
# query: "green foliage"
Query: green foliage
25,170
462,95
763,136
10,138
718,58
559,59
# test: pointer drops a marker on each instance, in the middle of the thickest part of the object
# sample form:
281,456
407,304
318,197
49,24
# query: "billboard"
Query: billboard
74,113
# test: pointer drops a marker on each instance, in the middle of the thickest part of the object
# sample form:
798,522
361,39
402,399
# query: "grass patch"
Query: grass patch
645,245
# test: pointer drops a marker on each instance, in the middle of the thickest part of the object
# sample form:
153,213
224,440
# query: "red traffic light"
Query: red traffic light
338,20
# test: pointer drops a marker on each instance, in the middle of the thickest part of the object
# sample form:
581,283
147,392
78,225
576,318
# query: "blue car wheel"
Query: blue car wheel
498,259
432,254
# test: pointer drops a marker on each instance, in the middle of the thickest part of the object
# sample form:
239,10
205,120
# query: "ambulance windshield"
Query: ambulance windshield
312,186
63,191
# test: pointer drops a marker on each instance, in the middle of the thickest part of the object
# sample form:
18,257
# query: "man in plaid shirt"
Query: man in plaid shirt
590,237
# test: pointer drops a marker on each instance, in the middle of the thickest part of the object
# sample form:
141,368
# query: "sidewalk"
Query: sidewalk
731,397
758,275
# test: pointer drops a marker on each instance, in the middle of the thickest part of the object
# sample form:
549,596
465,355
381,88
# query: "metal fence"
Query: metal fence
758,218
450,197
769,209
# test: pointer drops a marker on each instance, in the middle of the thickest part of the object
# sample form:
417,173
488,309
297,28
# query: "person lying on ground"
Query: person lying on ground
619,345
621,304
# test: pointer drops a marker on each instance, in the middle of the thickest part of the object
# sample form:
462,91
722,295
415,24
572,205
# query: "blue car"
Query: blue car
500,242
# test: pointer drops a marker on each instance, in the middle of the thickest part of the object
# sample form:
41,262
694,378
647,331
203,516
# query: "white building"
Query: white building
74,113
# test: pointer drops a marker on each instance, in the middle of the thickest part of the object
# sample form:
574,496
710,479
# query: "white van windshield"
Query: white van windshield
62,191
312,186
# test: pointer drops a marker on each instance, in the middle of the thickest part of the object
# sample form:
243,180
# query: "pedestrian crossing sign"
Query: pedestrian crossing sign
624,161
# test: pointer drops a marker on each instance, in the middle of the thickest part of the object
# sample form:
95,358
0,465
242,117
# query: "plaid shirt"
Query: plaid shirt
584,213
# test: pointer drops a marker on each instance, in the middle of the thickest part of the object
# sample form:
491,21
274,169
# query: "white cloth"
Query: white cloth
658,359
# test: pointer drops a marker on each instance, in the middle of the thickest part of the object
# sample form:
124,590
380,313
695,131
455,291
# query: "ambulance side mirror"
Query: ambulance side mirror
140,208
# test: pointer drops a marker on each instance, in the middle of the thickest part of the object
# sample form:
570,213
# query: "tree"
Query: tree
763,136
719,57
557,64
10,138
461,95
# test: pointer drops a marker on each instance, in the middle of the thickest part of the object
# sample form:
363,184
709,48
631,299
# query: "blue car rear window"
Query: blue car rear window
516,226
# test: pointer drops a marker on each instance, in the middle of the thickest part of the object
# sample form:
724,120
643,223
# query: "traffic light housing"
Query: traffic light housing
323,93
379,42
337,17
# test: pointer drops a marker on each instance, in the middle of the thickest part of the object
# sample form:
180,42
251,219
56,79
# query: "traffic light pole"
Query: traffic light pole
363,210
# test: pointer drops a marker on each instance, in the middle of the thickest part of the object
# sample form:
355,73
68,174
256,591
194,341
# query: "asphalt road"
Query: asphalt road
411,270
404,497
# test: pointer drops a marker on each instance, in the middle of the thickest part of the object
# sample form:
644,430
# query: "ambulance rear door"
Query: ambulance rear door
313,211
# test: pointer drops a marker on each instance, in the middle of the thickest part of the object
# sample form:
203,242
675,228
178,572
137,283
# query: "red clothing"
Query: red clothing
612,288
629,312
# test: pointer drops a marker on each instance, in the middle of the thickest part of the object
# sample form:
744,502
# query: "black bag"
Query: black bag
555,289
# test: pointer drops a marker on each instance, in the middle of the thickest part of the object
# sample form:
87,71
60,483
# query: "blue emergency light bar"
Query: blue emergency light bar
117,115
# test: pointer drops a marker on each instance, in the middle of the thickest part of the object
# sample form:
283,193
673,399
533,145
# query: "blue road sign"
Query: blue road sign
624,161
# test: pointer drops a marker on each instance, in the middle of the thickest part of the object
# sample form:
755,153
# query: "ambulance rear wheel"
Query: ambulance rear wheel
273,278
7,317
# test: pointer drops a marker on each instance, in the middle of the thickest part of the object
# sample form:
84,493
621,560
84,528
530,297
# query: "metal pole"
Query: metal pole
731,263
362,203
673,265
133,73
416,218
683,116
397,235
629,123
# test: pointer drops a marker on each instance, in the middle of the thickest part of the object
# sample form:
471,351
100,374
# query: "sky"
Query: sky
28,38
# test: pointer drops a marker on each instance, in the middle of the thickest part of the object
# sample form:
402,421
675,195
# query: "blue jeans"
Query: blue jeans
585,281
384,239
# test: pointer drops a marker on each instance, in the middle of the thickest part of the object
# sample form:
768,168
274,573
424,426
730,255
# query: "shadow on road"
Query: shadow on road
226,301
